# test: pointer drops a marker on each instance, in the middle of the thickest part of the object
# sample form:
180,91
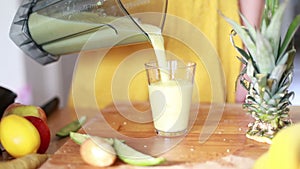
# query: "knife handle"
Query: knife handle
7,97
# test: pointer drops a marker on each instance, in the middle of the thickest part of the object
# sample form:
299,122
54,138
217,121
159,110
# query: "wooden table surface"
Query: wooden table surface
226,146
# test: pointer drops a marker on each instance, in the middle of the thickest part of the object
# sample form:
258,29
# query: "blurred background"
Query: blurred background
32,82
36,84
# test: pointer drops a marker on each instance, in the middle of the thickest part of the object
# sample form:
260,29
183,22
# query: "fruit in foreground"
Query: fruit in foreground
25,110
285,148
131,156
97,152
261,162
44,132
284,151
19,136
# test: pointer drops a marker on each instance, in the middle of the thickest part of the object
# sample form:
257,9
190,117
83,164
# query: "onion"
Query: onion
97,152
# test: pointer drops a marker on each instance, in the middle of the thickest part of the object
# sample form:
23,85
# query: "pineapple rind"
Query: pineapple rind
270,112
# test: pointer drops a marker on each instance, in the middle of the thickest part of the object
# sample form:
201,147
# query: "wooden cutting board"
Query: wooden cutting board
227,146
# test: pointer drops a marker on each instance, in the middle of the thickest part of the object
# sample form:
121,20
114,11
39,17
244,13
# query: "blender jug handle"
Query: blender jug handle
137,24
19,34
134,21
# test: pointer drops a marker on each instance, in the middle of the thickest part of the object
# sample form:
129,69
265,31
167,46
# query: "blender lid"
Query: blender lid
19,34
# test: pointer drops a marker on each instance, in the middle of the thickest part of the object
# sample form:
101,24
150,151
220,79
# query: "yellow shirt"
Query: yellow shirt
194,30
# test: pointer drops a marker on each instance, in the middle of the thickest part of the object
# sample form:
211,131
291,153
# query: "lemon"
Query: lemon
19,136
131,156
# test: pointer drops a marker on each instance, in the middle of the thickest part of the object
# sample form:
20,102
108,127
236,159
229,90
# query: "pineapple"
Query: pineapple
268,70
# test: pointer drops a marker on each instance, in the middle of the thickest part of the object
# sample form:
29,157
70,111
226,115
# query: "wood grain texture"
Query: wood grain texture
228,139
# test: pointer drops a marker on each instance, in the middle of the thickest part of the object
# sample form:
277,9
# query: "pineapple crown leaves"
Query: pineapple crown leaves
264,47
270,8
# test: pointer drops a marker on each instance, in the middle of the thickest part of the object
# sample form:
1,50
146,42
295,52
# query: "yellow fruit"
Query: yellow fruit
18,136
261,162
283,152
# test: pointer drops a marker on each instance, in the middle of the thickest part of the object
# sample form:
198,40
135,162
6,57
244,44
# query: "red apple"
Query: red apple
25,110
44,132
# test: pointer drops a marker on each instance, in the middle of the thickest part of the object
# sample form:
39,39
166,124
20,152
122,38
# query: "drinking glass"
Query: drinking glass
170,94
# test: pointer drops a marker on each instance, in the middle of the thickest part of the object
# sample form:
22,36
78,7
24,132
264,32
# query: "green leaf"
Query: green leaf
240,50
245,84
283,60
250,28
278,72
262,80
270,8
272,5
273,31
242,60
286,81
291,57
263,27
289,35
243,34
253,100
250,69
264,55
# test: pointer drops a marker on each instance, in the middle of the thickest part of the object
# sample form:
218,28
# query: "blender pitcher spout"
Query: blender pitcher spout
48,29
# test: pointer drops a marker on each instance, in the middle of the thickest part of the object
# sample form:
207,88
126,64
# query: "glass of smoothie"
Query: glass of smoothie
170,94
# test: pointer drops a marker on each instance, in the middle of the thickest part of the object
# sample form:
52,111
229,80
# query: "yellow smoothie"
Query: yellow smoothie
170,100
170,104
60,36
157,42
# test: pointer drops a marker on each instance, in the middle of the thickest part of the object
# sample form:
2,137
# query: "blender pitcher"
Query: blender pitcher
47,29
